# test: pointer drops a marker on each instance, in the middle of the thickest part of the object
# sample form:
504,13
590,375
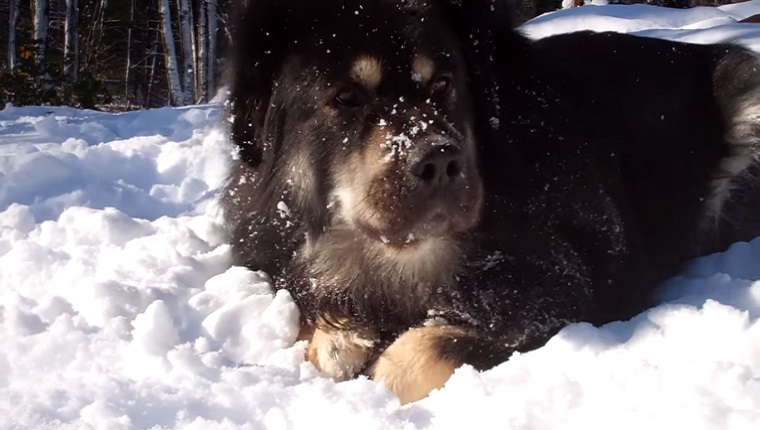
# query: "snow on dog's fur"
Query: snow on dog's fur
434,189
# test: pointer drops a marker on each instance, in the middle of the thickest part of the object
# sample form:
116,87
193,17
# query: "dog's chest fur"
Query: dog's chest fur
401,283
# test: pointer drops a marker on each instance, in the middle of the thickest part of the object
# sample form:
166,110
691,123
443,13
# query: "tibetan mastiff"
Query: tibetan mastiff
434,189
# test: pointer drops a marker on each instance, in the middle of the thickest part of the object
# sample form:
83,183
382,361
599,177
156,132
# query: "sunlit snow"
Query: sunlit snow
118,308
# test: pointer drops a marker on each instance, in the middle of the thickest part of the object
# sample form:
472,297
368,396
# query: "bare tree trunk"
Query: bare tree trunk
12,18
202,56
213,16
528,9
71,41
176,94
129,50
152,73
95,27
186,40
41,19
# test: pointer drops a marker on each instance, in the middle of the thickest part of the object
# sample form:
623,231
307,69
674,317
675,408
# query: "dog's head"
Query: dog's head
361,111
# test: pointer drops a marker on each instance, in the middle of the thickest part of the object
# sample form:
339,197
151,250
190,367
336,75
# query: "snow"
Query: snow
695,25
118,308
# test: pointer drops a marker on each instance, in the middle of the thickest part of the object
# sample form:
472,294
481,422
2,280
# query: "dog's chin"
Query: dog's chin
437,225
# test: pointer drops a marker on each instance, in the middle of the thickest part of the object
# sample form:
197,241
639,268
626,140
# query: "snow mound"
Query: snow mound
696,25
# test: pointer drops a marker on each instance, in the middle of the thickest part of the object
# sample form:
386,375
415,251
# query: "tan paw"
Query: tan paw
340,354
412,366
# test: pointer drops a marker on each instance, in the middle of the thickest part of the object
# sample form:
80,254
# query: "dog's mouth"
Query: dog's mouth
442,216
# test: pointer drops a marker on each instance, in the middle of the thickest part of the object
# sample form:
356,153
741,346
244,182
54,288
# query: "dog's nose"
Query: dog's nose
441,165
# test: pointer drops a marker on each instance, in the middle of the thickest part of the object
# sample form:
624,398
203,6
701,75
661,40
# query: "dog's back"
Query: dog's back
684,122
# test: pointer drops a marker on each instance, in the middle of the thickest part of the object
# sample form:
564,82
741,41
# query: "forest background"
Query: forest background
120,55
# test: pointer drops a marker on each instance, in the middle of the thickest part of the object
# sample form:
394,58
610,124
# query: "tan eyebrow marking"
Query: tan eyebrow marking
367,71
423,68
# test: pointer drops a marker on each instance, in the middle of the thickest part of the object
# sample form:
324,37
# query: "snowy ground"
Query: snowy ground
117,310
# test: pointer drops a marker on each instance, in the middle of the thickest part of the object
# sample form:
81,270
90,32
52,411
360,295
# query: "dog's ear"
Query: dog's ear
258,39
495,52
471,18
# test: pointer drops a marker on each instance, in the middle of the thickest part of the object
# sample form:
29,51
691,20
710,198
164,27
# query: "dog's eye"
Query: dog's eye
348,97
440,85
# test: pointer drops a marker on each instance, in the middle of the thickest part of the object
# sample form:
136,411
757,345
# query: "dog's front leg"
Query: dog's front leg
339,353
424,358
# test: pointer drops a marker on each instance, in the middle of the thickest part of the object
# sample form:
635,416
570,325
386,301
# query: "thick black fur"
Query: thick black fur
598,153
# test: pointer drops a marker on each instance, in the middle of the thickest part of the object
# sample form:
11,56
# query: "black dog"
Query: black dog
434,189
